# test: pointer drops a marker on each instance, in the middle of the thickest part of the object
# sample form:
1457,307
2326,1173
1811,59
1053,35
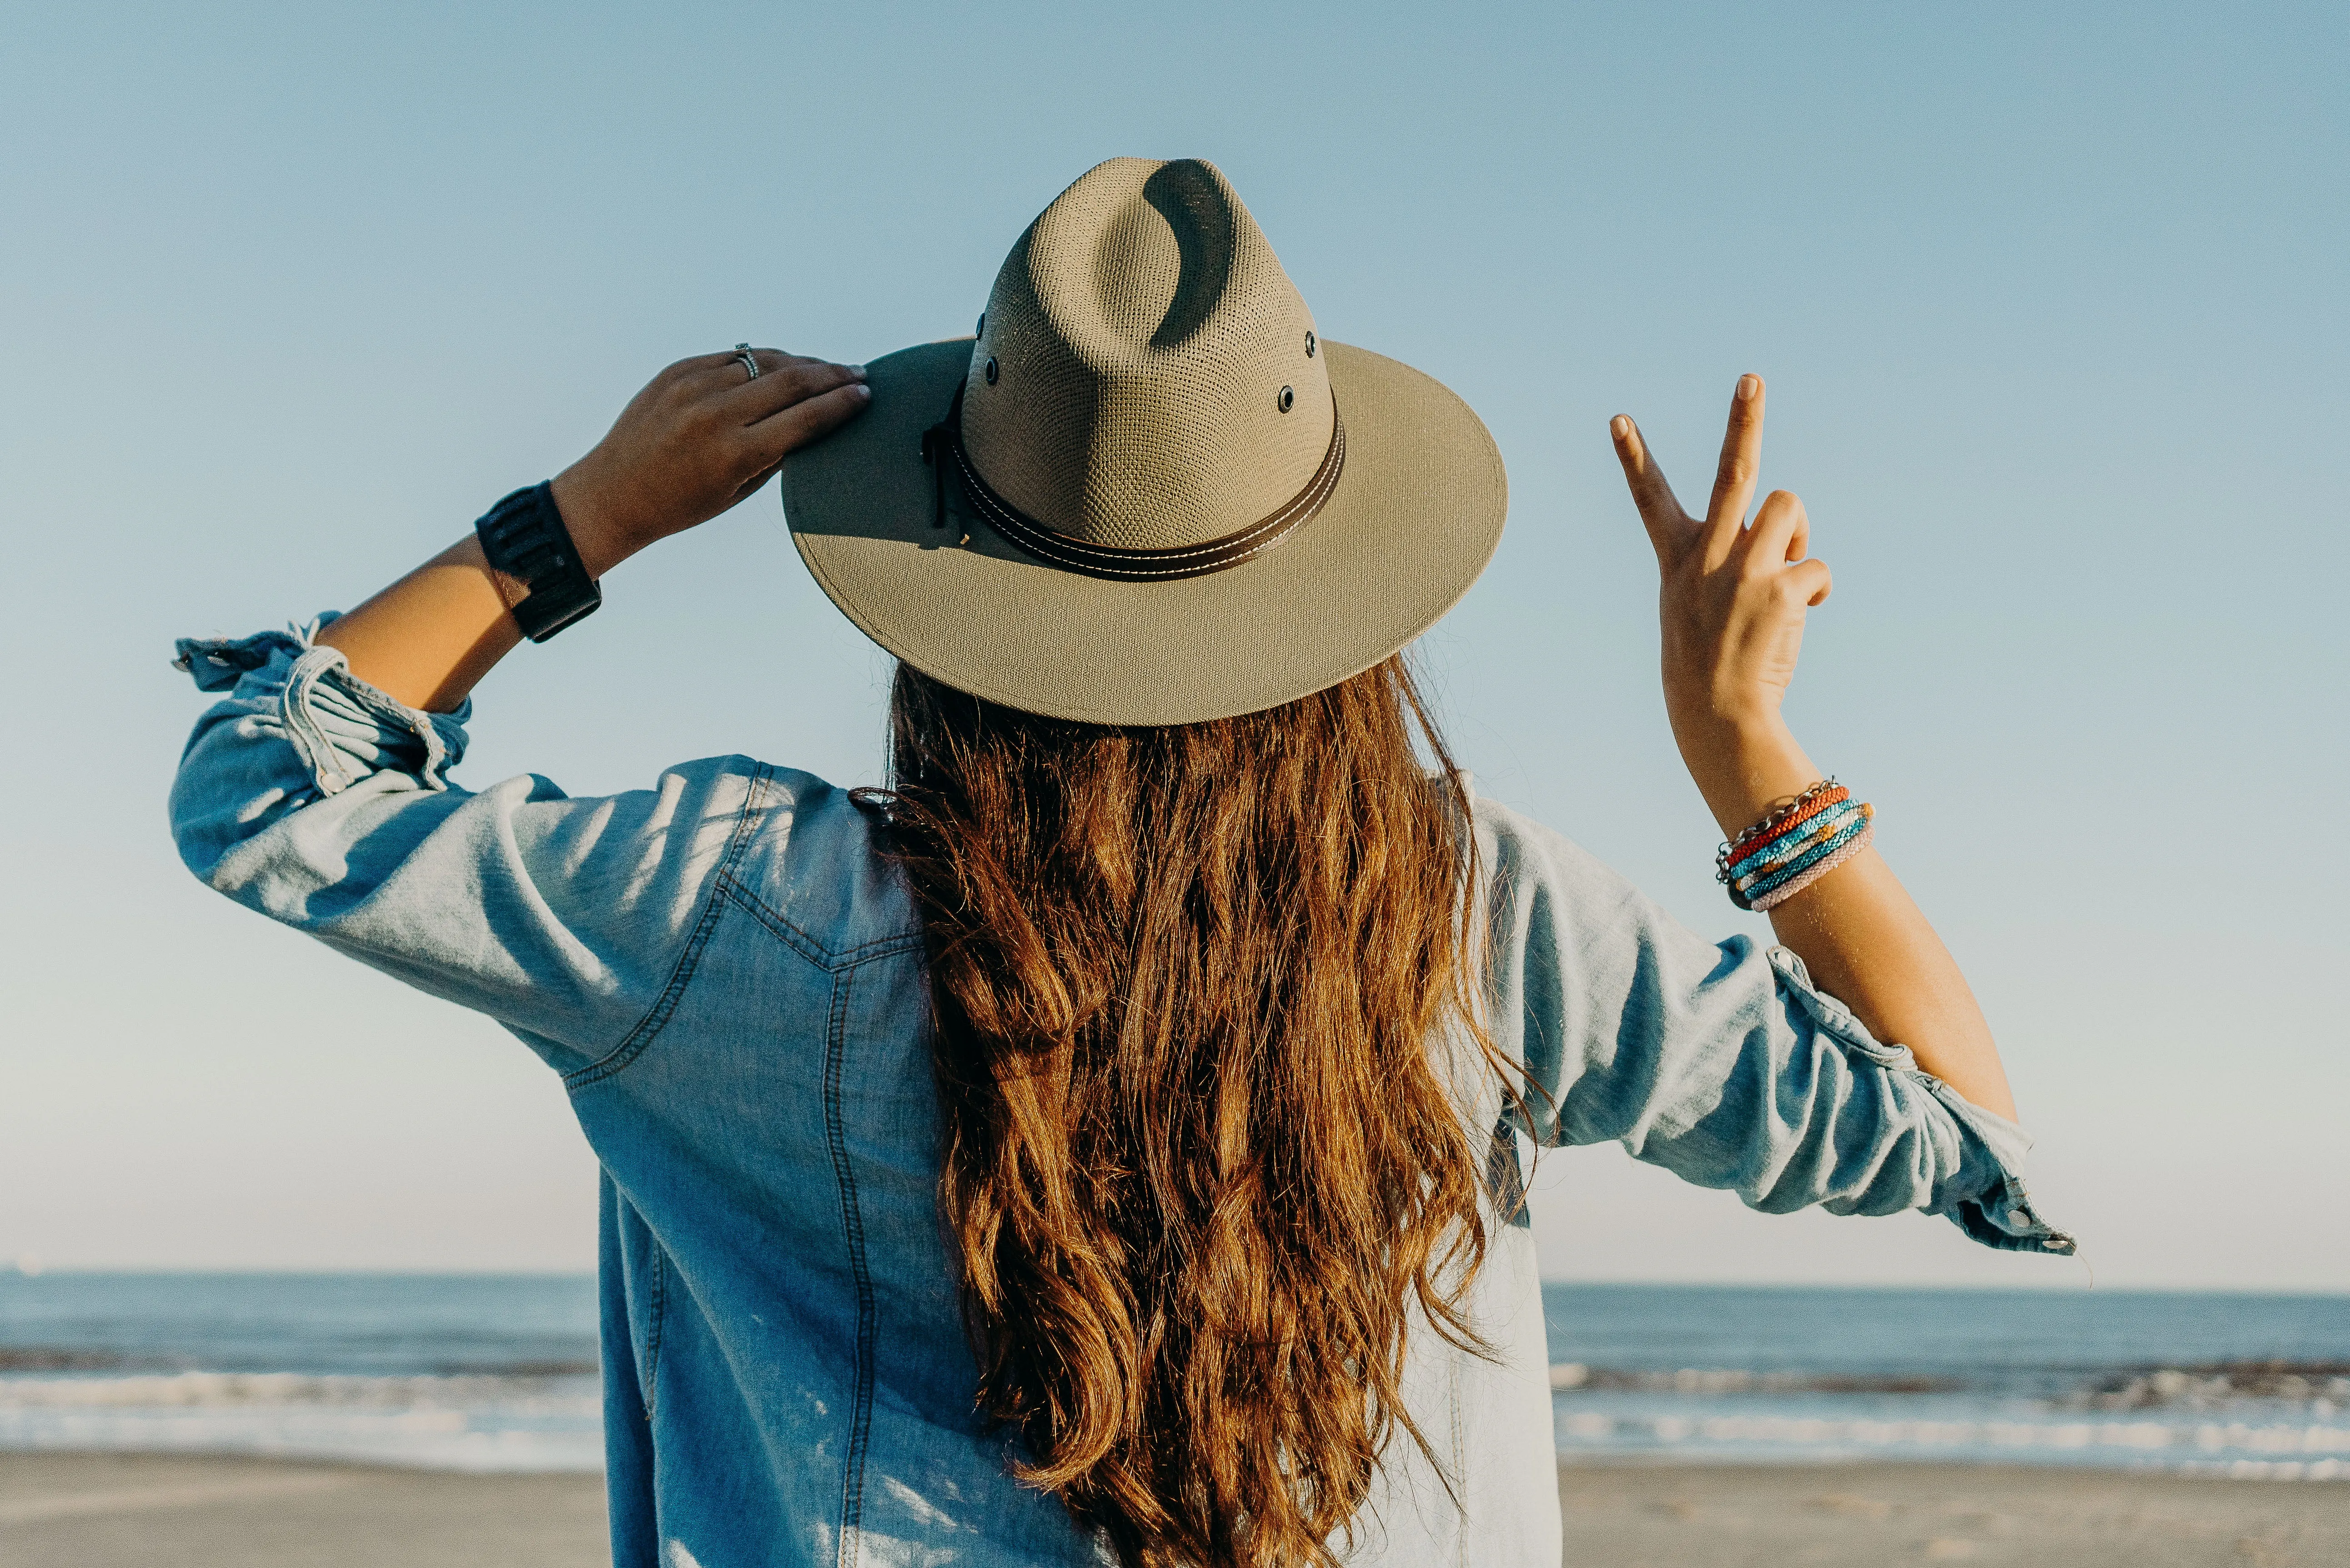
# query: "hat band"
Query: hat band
1059,549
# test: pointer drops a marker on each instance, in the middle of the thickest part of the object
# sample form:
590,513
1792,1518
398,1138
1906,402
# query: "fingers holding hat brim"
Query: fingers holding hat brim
1416,514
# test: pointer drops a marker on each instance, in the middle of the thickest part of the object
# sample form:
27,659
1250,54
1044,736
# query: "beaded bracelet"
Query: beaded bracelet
1774,856
1794,846
1820,796
1813,865
1797,844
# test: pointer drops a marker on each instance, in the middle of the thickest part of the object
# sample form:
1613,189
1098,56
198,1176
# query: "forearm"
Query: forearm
702,436
1856,929
429,638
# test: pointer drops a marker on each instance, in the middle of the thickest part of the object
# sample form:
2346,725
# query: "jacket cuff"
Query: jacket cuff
1986,1198
342,728
2000,1213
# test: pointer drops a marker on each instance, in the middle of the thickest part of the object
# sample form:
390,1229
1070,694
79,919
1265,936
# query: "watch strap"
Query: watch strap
526,542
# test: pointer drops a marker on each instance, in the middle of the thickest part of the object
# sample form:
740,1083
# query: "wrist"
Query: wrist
601,541
1744,767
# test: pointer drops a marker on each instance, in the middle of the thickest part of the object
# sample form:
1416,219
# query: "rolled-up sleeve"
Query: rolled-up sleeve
1721,1062
312,797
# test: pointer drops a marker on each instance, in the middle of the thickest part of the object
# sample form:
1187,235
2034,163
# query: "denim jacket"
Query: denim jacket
731,984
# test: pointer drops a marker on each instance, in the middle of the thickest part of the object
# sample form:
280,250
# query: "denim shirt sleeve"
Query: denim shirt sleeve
309,796
1722,1063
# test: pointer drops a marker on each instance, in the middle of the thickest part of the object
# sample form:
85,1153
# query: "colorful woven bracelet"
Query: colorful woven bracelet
1776,877
1818,798
1780,850
1786,890
1822,796
1794,846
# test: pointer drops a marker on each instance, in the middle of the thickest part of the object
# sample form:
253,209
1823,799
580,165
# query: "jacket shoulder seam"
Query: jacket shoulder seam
633,1045
800,940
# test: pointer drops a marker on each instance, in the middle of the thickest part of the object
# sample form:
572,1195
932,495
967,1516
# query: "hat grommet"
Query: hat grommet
1285,402
1312,342
989,371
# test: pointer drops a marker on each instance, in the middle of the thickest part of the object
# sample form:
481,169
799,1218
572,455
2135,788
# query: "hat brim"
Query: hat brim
1415,516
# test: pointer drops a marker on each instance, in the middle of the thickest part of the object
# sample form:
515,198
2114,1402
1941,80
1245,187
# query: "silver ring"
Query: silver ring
743,352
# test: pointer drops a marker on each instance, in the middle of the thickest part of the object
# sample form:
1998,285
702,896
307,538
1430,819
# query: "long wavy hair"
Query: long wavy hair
1205,1153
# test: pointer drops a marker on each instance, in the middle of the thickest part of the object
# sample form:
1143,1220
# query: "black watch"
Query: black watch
525,538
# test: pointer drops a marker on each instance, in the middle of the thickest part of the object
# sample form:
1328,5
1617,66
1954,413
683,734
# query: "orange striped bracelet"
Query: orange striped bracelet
1804,806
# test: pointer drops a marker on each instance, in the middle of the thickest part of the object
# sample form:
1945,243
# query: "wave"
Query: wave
2267,1419
224,1390
2278,1450
1734,1380
16,1359
47,1358
2273,1420
2220,1383
466,1422
2118,1388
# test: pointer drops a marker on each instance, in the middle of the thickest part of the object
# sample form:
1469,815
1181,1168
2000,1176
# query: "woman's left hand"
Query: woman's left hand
1732,599
701,436
1732,594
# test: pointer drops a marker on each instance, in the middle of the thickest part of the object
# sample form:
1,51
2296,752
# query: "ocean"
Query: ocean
498,1373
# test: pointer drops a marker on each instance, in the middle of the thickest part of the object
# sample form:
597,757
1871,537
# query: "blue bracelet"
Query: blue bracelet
1779,876
1778,849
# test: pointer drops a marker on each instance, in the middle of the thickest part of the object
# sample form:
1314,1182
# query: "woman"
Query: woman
1101,1146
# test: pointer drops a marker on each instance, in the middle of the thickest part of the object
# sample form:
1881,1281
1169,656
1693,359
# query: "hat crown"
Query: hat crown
1128,385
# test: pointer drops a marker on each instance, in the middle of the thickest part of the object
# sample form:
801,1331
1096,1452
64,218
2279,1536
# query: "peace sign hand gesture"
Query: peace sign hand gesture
1734,594
1733,598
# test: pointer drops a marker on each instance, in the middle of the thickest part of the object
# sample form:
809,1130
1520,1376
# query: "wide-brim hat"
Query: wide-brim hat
1146,492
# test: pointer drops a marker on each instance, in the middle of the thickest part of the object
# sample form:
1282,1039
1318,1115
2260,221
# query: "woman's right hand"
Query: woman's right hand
701,436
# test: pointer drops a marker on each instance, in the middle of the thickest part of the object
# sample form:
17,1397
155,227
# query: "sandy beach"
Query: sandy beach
1846,1516
112,1511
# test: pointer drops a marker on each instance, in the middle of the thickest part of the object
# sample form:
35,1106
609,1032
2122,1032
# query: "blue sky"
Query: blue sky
2050,300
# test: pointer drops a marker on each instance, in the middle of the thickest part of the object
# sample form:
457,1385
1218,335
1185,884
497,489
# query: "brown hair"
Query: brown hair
1203,1155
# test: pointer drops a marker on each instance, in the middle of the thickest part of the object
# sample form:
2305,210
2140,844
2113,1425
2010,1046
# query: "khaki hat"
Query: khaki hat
1147,492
